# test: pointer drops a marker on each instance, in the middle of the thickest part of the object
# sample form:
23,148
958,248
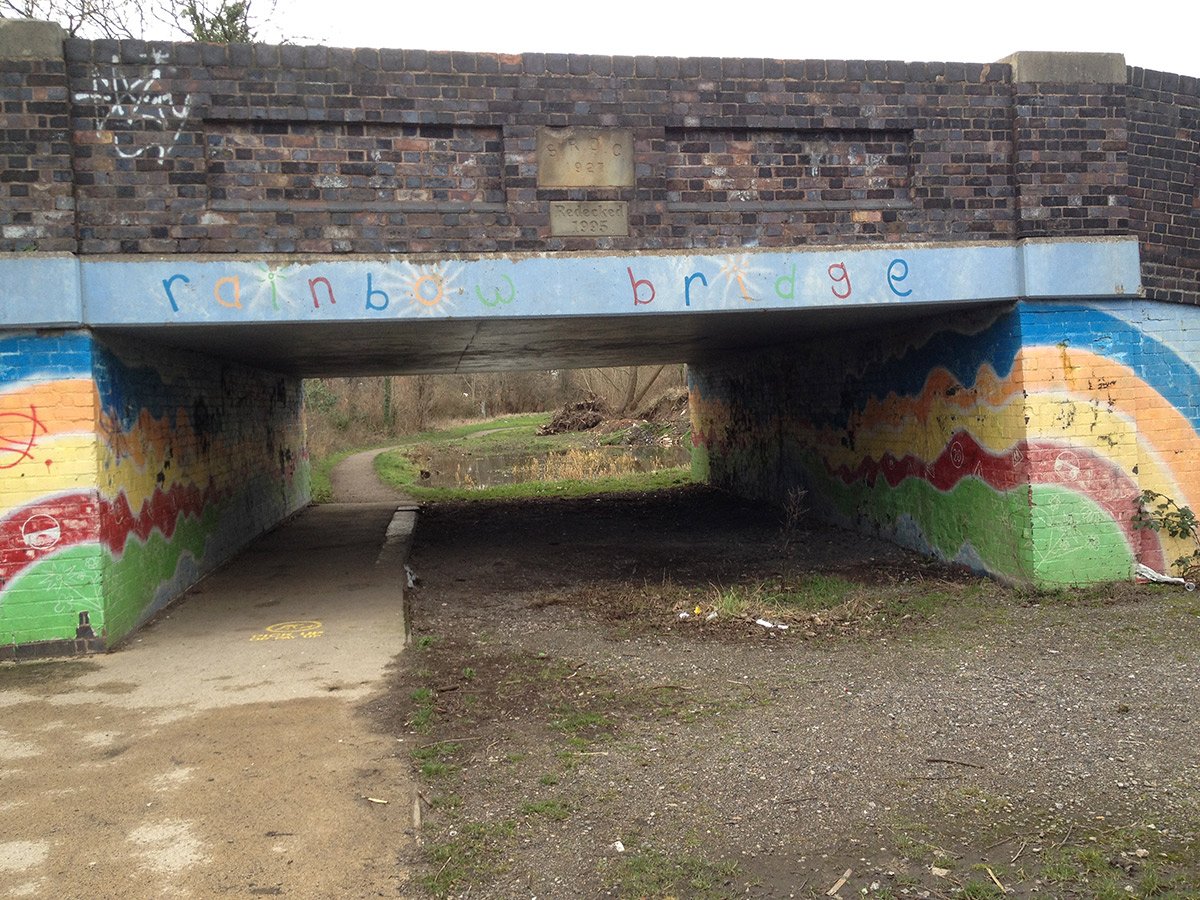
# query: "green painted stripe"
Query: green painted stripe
44,602
132,580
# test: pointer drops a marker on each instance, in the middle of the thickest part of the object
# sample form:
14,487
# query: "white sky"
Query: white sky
1154,34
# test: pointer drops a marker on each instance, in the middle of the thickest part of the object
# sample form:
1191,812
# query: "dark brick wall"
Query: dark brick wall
1069,159
36,205
1164,181
253,148
196,148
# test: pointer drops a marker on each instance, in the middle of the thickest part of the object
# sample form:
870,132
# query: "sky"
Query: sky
1153,34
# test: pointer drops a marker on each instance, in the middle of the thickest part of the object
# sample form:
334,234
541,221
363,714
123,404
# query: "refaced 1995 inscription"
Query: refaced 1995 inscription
591,218
584,157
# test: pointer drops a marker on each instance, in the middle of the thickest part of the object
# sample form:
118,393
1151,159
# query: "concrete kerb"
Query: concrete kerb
393,555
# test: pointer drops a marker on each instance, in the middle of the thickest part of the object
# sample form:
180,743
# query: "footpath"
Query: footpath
219,752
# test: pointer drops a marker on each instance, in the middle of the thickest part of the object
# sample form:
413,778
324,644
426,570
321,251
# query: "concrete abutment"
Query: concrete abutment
129,472
1015,441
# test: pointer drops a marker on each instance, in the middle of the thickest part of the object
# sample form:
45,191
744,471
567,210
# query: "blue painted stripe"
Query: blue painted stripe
31,357
1176,379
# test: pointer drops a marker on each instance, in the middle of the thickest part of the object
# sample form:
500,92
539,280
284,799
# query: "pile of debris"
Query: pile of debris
582,415
663,421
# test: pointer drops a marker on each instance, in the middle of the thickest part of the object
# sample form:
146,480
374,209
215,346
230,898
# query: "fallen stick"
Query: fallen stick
1020,850
454,740
1063,842
953,762
837,886
995,880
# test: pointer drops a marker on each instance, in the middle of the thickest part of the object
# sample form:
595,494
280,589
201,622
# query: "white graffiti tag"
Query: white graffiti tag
127,104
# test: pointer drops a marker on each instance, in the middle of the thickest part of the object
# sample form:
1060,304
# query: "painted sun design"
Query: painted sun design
431,290
739,280
269,288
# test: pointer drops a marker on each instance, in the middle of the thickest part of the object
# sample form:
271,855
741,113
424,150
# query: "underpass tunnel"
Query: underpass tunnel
1010,437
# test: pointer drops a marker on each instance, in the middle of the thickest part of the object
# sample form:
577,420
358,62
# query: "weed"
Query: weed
574,721
440,751
435,769
976,889
425,641
468,673
1159,512
794,511
473,855
554,810
548,780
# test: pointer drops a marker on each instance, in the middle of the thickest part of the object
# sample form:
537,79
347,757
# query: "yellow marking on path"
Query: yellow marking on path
287,631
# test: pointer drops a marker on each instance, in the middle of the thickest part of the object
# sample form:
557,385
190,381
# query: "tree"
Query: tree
82,18
216,21
227,22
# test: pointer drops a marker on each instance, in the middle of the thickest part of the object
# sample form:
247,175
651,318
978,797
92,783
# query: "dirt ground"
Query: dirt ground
914,732
219,752
923,734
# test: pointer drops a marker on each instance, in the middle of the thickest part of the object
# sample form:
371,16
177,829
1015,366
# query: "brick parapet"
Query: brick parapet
204,148
36,192
1164,181
1070,159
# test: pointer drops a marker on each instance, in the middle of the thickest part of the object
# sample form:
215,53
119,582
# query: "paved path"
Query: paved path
220,751
354,480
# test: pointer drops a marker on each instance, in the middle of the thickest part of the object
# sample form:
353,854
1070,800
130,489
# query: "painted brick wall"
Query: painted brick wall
199,458
1164,181
125,475
1016,442
51,560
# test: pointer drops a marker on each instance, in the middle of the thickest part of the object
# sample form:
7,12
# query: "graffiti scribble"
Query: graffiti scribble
18,436
126,104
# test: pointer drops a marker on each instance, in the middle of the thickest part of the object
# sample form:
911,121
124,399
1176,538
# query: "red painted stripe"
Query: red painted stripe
1028,462
45,527
40,529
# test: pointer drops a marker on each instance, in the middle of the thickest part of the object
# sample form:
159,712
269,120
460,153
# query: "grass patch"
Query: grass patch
435,769
553,810
580,471
809,594
475,854
397,470
652,873
575,721
442,750
422,717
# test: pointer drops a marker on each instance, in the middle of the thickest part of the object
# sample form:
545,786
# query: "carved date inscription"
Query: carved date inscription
591,218
584,157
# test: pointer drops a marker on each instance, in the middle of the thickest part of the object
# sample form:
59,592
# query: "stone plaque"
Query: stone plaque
584,157
589,218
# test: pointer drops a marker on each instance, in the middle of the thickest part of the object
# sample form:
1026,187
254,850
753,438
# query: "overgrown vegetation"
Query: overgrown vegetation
1158,512
371,411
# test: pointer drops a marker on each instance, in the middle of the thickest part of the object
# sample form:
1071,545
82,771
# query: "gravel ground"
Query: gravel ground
930,735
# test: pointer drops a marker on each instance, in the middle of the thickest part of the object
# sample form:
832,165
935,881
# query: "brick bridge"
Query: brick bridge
954,302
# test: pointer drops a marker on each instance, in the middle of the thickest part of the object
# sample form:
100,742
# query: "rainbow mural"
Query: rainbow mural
1015,442
126,477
